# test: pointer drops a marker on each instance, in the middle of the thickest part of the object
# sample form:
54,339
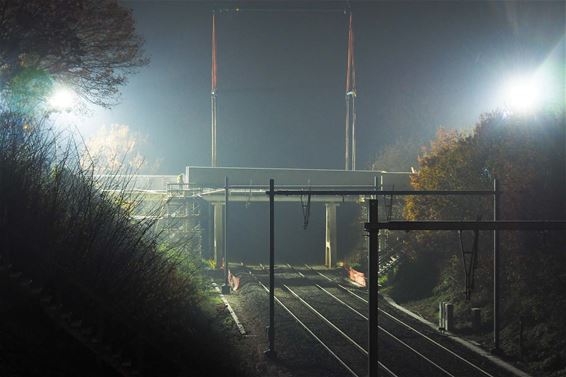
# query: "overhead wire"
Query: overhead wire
282,10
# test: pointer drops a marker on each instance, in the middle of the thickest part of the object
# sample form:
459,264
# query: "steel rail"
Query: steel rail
329,293
417,352
388,333
436,343
324,276
382,366
409,327
421,334
327,321
331,280
360,348
414,350
308,330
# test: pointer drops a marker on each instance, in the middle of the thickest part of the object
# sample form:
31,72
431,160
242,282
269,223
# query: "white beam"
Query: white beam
217,196
204,176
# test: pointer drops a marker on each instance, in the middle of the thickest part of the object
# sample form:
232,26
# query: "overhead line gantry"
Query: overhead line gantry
350,96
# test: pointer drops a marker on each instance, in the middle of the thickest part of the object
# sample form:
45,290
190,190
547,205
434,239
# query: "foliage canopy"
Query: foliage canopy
90,45
527,155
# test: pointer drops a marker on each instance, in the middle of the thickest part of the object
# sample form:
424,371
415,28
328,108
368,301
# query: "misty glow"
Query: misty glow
522,94
62,98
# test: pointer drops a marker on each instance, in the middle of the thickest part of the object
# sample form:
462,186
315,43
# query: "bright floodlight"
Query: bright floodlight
522,94
62,99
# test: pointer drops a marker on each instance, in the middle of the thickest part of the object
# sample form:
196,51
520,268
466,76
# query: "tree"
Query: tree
117,149
527,155
90,45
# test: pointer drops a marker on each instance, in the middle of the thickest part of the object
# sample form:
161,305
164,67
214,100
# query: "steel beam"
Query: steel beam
468,225
381,193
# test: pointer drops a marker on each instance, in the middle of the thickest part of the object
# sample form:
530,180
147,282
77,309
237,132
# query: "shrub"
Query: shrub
527,155
80,242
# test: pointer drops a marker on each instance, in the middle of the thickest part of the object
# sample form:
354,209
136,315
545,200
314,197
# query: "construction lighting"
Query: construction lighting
522,94
62,99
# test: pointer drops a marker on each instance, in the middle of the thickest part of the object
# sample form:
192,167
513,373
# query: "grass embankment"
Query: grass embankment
525,154
80,244
535,344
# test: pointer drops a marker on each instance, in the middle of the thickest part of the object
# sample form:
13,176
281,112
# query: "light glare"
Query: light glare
522,95
62,99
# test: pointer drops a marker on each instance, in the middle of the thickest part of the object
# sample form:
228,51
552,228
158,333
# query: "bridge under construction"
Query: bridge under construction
195,203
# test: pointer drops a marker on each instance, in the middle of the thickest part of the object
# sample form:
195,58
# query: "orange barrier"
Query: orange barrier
234,281
357,276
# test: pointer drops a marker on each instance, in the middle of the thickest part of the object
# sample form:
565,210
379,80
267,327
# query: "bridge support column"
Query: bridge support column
218,230
331,246
210,232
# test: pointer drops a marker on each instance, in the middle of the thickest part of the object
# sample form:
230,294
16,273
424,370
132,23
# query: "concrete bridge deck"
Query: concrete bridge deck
248,185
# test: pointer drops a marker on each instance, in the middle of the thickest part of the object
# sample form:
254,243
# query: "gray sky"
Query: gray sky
281,79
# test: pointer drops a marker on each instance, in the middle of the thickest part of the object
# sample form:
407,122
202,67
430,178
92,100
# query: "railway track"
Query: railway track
346,349
336,317
432,346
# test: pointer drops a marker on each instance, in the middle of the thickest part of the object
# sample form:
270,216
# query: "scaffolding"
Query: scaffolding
180,220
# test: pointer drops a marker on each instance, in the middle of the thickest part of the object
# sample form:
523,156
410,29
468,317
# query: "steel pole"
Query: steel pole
270,352
213,129
213,93
347,136
226,286
373,270
353,132
495,269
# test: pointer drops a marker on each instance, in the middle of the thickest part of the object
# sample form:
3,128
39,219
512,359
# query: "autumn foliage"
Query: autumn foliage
527,156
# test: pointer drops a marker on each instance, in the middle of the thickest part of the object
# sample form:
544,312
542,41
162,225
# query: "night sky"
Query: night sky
281,86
